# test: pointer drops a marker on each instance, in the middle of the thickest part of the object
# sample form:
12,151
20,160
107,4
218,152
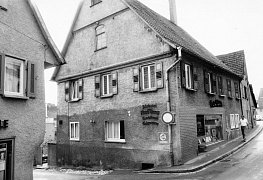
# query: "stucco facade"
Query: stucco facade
134,43
22,39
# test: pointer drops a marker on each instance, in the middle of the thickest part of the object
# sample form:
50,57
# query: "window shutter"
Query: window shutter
80,84
66,91
136,80
195,77
213,83
2,73
122,130
220,85
206,80
183,74
159,75
115,83
97,86
31,80
229,92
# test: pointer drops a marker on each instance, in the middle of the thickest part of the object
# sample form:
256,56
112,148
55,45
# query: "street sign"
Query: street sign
163,137
168,118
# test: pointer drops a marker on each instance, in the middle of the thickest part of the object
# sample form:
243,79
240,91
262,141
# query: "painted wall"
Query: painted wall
20,37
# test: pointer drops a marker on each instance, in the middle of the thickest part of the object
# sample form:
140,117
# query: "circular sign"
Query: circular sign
163,137
167,117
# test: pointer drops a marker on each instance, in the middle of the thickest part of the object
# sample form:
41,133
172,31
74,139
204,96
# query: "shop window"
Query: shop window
74,90
114,131
220,86
200,125
74,131
100,37
94,2
148,77
7,159
210,82
106,85
189,76
17,77
237,94
229,88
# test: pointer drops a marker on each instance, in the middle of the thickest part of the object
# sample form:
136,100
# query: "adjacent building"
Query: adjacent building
260,105
26,49
125,66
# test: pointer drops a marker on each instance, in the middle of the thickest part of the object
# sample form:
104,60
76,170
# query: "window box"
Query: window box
17,78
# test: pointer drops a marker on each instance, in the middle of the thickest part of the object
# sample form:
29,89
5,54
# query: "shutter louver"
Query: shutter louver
66,91
136,80
97,86
80,84
31,80
195,77
2,73
206,79
159,75
183,74
115,83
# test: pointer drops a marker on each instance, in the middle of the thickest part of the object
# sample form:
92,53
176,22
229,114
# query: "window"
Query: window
237,94
115,131
220,86
234,121
245,92
16,80
189,76
94,2
100,37
229,89
74,90
3,5
106,85
147,77
210,82
74,131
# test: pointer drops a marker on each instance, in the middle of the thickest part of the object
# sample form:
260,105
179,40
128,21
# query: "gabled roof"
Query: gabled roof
59,59
172,33
235,61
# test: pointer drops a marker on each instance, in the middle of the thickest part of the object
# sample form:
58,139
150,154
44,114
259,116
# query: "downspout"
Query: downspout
168,103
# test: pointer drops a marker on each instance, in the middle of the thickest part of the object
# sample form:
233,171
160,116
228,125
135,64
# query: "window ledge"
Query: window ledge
100,48
190,89
222,95
122,141
212,94
74,100
95,4
107,96
15,96
74,139
148,90
229,97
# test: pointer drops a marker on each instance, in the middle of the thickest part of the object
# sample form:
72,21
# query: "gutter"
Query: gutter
168,103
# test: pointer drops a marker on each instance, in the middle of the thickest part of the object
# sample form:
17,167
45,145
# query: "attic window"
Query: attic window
94,2
3,5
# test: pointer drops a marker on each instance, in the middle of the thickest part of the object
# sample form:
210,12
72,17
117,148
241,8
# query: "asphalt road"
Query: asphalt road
245,164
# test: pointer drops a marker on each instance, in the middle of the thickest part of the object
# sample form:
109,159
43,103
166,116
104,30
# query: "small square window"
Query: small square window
115,131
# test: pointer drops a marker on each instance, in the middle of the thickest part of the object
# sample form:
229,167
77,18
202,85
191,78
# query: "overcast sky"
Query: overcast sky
222,26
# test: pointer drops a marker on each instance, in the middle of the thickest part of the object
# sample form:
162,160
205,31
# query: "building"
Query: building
237,63
259,110
126,66
26,49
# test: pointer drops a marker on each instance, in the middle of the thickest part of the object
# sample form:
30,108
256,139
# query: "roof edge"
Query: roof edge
60,60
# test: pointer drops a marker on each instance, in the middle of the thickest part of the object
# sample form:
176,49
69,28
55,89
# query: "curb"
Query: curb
201,166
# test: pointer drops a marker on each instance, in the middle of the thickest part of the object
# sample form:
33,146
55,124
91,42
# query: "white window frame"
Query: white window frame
110,126
209,82
237,120
74,134
74,90
150,87
232,121
188,76
108,82
22,76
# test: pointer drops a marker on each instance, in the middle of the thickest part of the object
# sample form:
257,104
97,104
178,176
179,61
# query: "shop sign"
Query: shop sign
149,114
3,124
163,137
215,103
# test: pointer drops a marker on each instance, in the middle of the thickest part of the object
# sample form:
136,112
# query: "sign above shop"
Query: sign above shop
215,103
149,114
3,124
168,117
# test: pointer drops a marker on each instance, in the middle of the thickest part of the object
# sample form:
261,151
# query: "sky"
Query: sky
221,26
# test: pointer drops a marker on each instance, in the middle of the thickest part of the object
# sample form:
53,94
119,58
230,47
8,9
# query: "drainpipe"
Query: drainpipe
169,103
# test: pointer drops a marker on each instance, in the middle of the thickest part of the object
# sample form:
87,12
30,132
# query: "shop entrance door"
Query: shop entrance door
6,159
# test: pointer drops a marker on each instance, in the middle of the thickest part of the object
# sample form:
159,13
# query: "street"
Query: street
245,164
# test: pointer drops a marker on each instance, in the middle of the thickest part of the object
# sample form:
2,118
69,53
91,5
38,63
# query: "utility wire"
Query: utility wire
23,34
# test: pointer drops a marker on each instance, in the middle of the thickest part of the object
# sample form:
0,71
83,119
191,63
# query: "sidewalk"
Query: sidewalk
223,150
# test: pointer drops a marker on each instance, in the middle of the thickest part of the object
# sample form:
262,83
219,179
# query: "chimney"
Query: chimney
172,7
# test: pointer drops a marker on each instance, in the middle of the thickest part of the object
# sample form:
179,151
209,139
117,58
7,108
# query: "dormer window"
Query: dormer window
100,37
